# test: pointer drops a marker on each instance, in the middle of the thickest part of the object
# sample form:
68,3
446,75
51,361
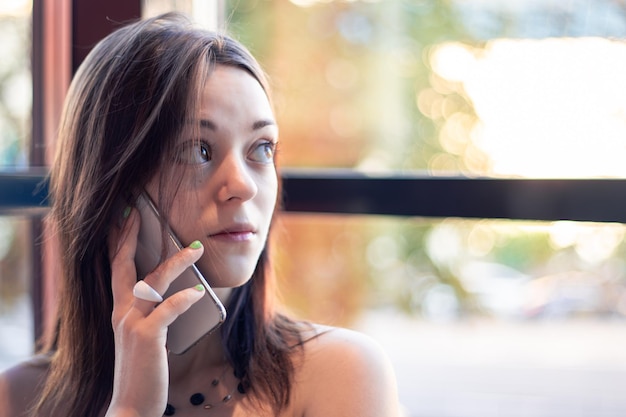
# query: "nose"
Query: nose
236,180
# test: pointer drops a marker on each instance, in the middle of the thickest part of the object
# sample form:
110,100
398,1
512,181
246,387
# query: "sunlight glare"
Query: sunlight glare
551,108
15,7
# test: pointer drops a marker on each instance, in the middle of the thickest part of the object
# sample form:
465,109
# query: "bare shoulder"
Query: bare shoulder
345,372
19,386
343,346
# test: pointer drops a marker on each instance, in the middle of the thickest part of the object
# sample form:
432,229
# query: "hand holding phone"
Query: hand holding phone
206,315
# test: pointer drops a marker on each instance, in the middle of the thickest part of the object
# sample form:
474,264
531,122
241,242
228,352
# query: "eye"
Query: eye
203,153
264,152
194,153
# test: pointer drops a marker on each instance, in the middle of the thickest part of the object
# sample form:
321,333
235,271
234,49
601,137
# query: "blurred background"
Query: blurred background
480,317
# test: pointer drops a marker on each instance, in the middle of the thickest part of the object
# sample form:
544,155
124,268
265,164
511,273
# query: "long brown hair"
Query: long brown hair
129,99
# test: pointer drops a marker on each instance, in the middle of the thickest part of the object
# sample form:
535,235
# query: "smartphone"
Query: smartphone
202,318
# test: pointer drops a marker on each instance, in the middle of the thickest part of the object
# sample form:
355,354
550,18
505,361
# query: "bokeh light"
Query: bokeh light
543,108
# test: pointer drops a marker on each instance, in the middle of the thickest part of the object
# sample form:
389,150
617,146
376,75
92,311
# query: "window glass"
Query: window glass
496,88
16,315
479,317
205,13
15,84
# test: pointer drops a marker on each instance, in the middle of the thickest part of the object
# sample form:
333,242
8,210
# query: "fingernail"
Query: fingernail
196,244
126,212
199,287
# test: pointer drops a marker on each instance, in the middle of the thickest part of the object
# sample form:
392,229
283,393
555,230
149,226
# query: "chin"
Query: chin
230,276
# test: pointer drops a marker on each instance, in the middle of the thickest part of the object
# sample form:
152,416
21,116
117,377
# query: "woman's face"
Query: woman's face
229,182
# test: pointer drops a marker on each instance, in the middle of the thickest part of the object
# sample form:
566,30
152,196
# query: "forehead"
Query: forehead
234,91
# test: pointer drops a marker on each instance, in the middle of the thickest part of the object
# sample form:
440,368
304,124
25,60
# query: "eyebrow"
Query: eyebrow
259,124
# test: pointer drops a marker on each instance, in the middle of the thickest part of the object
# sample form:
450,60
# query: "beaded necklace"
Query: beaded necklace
198,398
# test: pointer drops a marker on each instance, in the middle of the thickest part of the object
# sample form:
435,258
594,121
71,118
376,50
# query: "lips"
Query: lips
238,232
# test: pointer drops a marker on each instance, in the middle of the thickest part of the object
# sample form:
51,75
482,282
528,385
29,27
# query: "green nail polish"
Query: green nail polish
199,287
196,244
126,212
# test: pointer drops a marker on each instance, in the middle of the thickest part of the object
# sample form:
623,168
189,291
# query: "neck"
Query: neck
201,379
207,354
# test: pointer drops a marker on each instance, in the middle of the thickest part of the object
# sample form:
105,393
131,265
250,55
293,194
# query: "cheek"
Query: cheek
152,188
185,212
270,195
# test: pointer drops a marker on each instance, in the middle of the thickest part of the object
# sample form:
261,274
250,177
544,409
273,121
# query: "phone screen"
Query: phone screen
206,315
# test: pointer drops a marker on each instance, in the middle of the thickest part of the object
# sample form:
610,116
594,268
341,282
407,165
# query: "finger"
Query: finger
122,250
115,231
161,278
175,305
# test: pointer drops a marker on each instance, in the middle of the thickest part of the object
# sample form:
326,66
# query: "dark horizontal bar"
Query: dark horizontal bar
23,192
596,200
351,192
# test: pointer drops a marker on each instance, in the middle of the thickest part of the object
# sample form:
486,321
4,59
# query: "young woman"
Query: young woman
185,115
